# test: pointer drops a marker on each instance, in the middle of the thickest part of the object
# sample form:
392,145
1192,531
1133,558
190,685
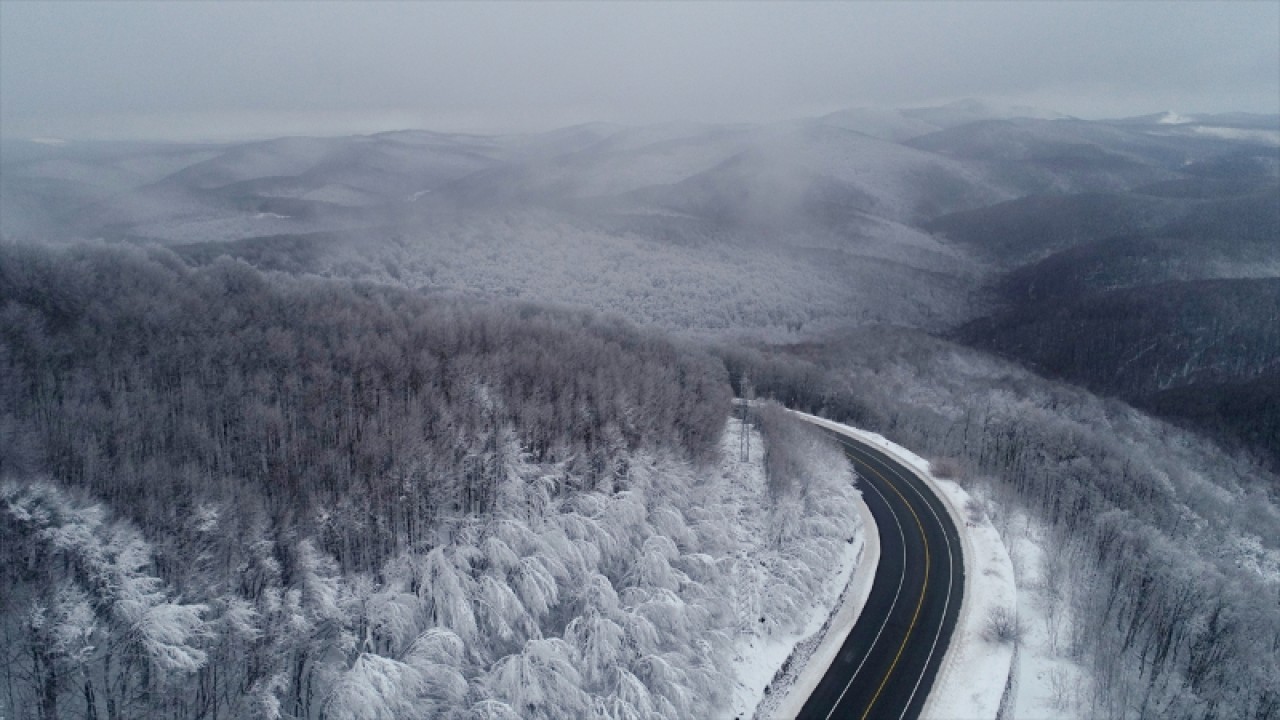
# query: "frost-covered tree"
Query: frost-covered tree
96,616
540,681
277,497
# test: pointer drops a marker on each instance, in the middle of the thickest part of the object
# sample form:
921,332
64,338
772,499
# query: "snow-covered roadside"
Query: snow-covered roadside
833,634
975,671
1049,685
764,656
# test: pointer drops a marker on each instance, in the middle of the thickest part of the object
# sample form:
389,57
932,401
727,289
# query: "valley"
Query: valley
439,424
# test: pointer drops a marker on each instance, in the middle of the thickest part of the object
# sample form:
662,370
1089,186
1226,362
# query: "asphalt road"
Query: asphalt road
888,663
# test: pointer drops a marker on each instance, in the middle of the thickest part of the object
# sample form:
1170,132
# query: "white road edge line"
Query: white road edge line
843,618
966,551
951,568
892,606
966,623
950,571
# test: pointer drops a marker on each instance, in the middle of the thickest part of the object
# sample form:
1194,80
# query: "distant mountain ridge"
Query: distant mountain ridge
1011,223
424,424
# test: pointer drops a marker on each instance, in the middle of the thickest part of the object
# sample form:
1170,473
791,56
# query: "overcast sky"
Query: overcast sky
185,70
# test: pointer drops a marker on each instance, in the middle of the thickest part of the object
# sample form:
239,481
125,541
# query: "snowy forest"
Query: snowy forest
1162,546
234,495
435,424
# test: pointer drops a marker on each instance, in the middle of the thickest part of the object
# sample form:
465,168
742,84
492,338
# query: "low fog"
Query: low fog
379,360
191,71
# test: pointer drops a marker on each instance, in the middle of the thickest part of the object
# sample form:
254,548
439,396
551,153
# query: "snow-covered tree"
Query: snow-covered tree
540,681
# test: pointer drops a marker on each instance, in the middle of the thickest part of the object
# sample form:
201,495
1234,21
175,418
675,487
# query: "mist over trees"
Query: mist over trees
278,437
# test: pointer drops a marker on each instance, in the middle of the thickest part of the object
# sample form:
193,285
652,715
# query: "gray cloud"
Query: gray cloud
230,69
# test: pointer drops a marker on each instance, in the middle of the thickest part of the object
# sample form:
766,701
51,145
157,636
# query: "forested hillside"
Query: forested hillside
131,372
1178,318
310,396
226,494
1166,549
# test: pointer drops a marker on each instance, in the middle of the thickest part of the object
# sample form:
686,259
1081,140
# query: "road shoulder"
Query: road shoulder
972,678
843,618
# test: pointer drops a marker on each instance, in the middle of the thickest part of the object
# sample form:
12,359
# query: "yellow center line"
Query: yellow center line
919,603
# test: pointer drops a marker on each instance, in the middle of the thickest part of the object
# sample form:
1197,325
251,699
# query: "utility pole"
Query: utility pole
744,439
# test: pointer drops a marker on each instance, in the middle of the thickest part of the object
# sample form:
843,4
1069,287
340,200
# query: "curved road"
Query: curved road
888,663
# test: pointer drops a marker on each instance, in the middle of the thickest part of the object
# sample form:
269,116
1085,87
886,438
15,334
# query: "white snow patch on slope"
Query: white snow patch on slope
1259,135
972,679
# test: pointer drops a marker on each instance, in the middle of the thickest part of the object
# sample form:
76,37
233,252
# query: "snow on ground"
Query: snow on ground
1172,118
975,671
831,637
1259,135
1047,684
766,653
